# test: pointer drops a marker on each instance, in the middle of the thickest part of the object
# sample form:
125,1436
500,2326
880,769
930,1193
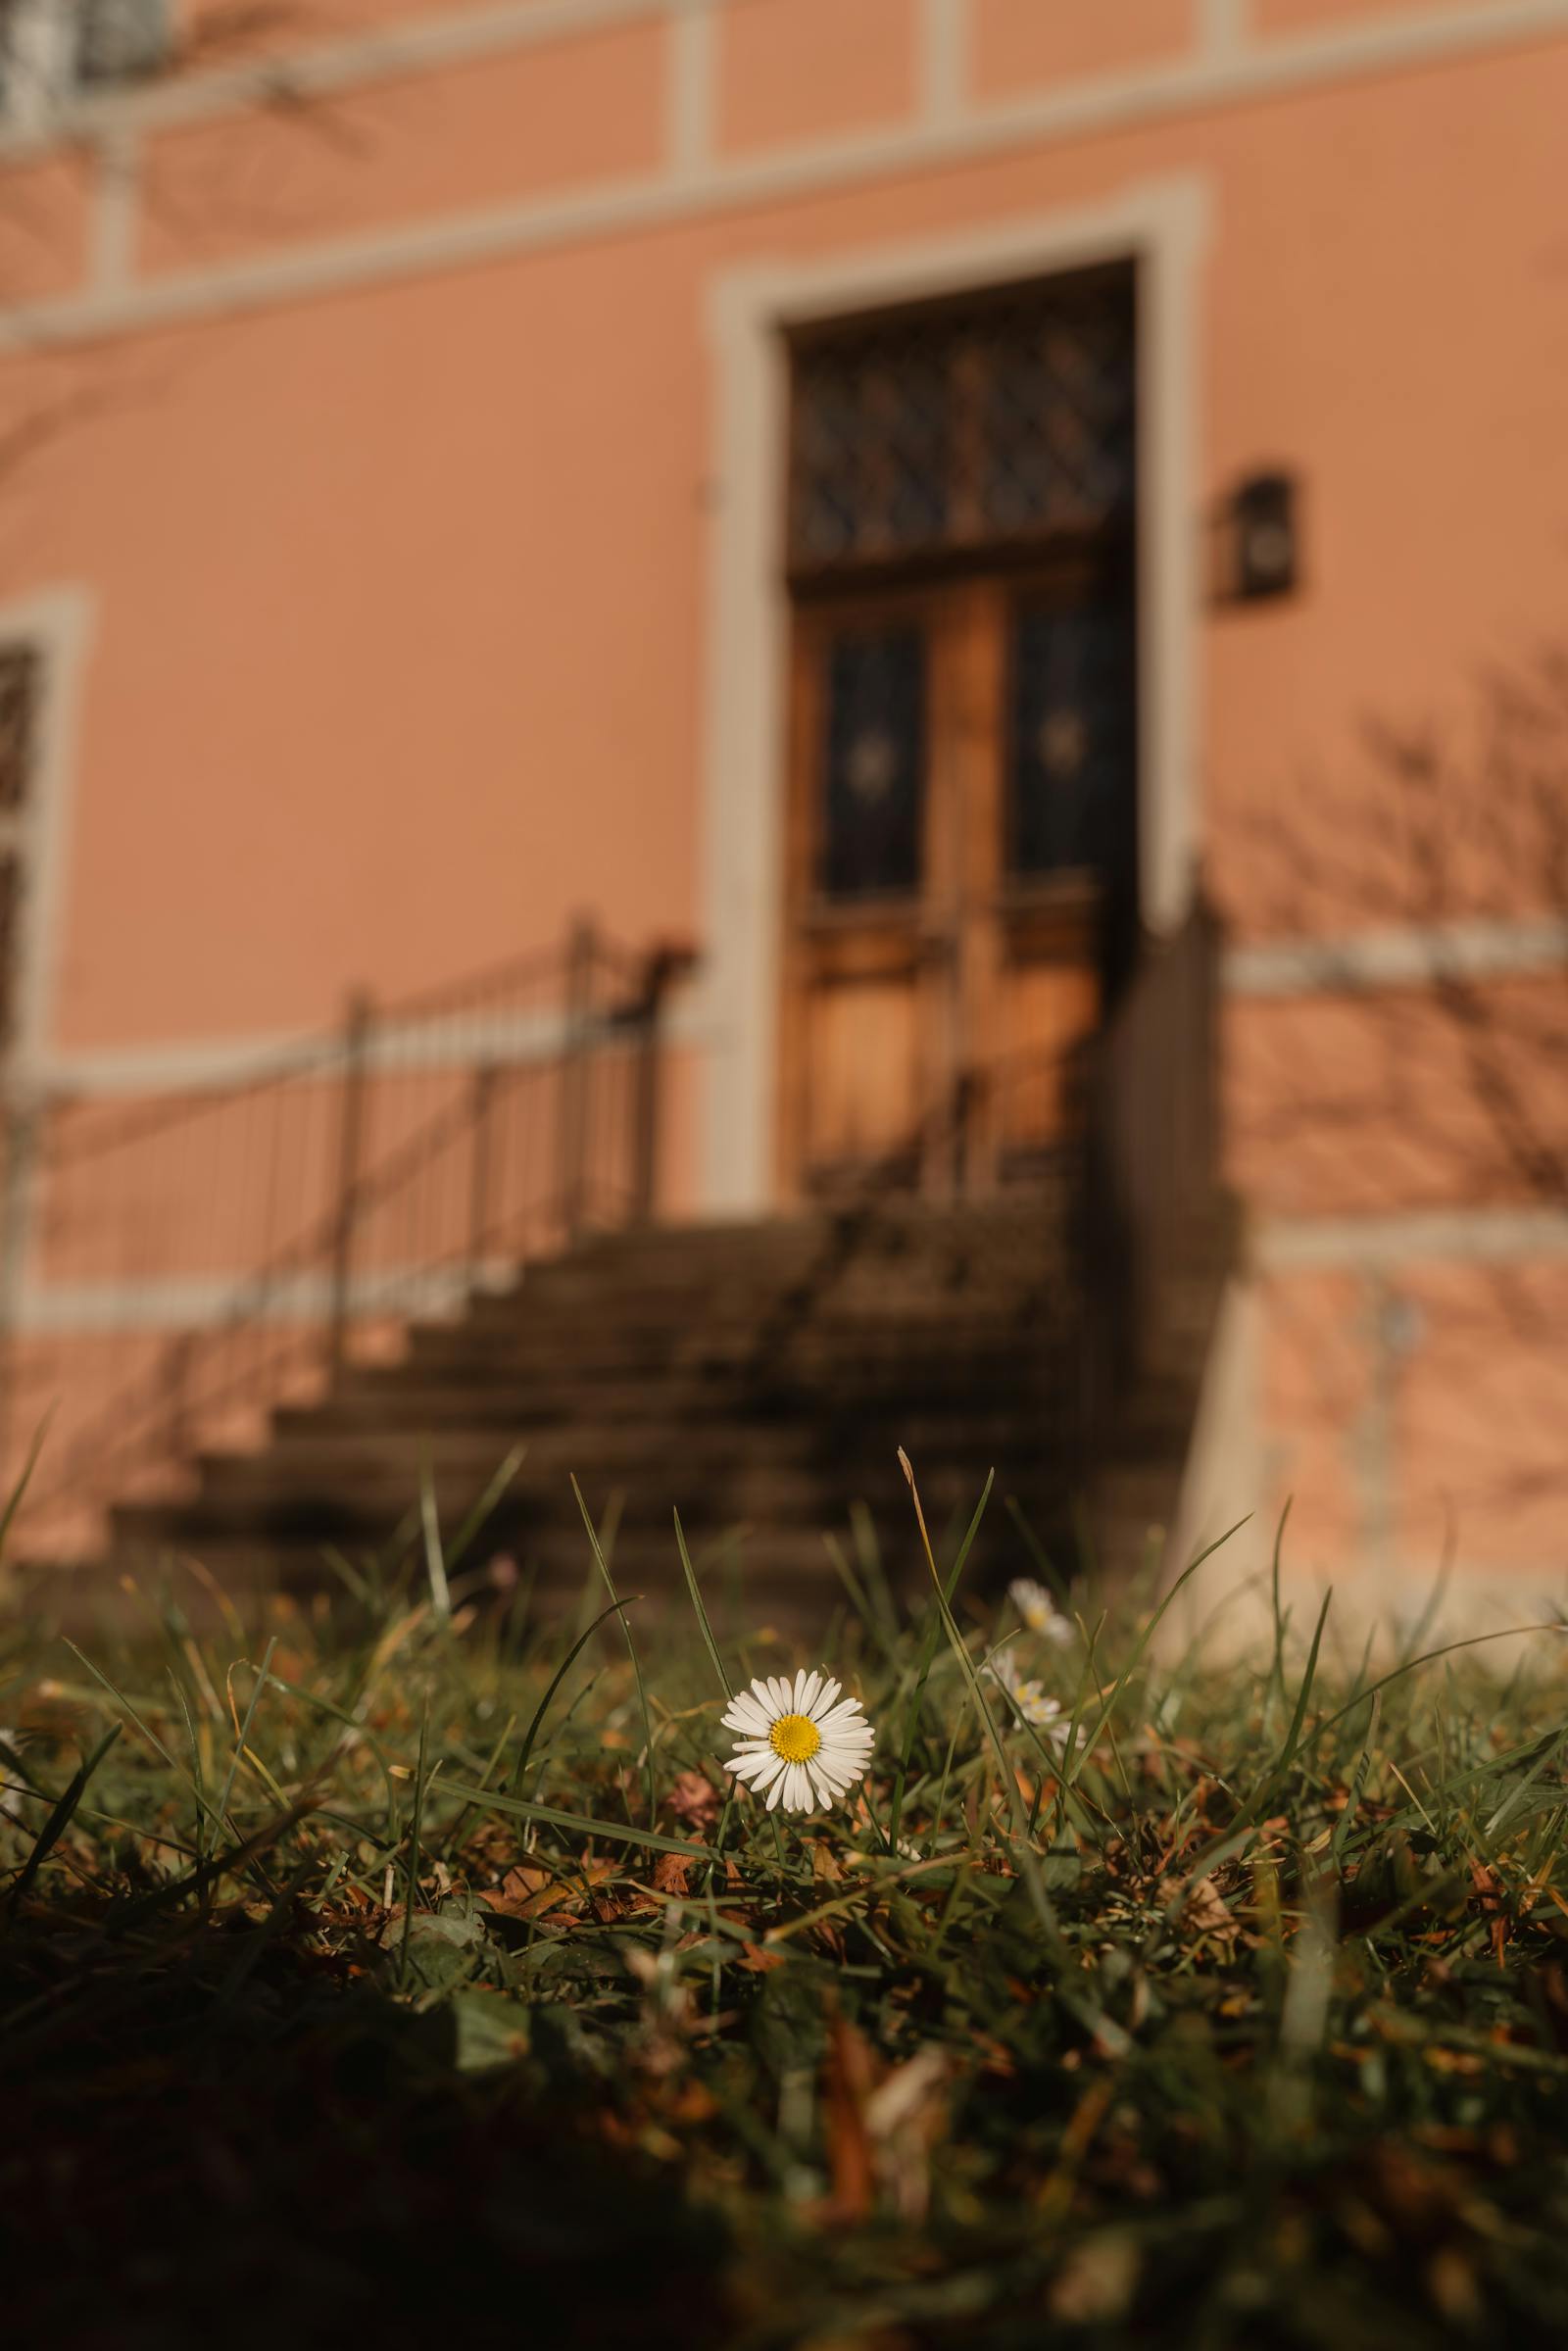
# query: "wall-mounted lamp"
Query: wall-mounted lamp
1260,539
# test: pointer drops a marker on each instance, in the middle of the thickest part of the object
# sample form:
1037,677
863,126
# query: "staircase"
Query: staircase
757,1378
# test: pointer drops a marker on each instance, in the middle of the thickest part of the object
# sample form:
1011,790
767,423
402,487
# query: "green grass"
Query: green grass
382,1970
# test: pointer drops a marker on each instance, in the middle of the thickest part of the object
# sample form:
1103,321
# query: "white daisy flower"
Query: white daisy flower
1029,1698
799,1740
1040,1612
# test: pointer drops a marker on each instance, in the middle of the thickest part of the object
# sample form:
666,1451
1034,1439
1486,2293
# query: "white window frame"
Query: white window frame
40,45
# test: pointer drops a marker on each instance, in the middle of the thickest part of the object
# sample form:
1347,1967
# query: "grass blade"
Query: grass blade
706,1628
631,1646
59,1820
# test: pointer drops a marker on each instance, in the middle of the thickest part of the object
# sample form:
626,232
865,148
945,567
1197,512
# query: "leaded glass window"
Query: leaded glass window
874,766
1072,737
954,428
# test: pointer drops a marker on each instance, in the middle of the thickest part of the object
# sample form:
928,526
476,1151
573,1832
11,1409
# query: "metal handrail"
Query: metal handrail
408,1156
442,1142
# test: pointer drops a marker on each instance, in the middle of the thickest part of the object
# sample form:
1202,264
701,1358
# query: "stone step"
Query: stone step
749,1584
759,1376
893,1223
587,1346
716,1444
368,1507
418,1396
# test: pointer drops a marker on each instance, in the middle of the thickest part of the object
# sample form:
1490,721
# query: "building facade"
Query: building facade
896,496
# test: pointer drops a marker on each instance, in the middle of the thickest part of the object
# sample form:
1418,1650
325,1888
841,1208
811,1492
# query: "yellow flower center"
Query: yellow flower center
796,1738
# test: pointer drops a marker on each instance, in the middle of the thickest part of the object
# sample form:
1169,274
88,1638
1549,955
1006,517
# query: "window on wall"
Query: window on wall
21,698
53,50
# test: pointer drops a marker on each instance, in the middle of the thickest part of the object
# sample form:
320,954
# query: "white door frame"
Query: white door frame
1159,225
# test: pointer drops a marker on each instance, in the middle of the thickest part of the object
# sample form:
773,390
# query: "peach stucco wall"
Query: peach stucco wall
1019,45
794,69
45,224
569,115
1310,16
399,570
398,592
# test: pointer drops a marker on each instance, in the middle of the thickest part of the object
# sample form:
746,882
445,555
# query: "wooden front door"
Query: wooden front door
962,815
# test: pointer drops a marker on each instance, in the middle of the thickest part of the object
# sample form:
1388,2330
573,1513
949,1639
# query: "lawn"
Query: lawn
409,1962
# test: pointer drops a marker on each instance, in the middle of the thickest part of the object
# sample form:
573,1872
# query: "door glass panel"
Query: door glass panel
1072,753
874,764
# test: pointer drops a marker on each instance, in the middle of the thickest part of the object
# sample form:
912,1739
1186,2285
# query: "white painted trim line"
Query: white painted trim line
209,1302
1161,225
1223,28
116,213
1375,1244
645,202
331,68
1416,956
1282,62
943,60
691,92
222,1064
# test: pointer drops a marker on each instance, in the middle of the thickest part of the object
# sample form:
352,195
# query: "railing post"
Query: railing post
350,1158
576,1044
658,969
176,1388
483,1104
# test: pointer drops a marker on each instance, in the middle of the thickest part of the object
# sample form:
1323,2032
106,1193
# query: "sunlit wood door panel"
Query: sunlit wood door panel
959,837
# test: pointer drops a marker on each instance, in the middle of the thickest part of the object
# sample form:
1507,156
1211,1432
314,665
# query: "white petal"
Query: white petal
849,1743
823,1700
777,1789
798,1693
779,1692
747,1767
746,1714
799,1799
769,1772
850,1711
823,1788
814,1682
